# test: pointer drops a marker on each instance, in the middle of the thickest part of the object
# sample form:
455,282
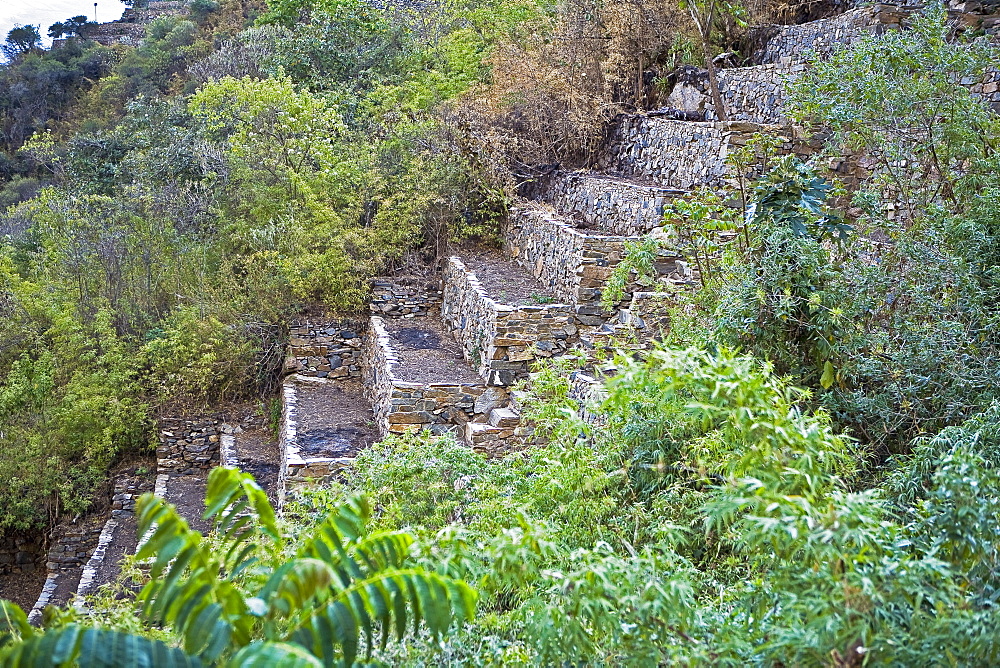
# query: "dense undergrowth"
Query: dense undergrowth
803,473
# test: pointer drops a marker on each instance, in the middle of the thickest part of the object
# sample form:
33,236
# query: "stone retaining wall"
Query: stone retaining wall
71,549
588,392
686,155
400,297
128,489
188,446
575,265
796,43
501,341
678,154
753,94
21,553
402,407
613,206
325,348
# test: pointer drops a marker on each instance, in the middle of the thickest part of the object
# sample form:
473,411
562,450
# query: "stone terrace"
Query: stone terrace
442,403
501,340
605,203
351,381
574,263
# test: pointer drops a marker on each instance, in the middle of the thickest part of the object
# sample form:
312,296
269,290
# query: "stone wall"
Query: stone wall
188,446
72,547
753,94
588,392
400,297
402,407
796,43
988,89
498,340
21,553
678,154
757,94
573,264
325,348
684,154
611,205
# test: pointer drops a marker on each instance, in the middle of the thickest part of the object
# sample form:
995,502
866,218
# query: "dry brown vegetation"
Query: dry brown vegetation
552,94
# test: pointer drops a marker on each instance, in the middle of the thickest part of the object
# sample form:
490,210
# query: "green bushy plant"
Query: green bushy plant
247,597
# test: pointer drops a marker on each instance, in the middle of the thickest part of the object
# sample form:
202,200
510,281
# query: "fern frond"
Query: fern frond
242,514
94,648
14,624
273,655
295,584
392,599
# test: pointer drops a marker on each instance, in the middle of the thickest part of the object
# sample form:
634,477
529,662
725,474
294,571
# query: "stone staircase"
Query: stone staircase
444,353
561,244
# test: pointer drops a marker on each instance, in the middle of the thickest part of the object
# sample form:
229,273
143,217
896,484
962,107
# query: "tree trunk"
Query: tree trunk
713,84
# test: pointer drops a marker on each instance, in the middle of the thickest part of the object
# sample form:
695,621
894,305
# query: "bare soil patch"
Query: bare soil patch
256,446
140,479
505,281
187,493
22,588
257,452
427,353
123,544
333,419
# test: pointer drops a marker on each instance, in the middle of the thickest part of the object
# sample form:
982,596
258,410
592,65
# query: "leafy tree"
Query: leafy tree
74,26
21,40
705,14
39,88
900,99
247,597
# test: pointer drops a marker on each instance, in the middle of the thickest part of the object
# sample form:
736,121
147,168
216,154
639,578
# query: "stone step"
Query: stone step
504,418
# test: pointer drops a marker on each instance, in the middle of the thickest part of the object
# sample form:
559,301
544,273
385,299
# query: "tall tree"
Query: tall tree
20,40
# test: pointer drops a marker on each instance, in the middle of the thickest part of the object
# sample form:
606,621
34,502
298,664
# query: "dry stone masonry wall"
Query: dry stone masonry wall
298,468
188,446
325,349
404,297
687,155
501,341
611,205
20,554
573,264
753,94
797,43
677,154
